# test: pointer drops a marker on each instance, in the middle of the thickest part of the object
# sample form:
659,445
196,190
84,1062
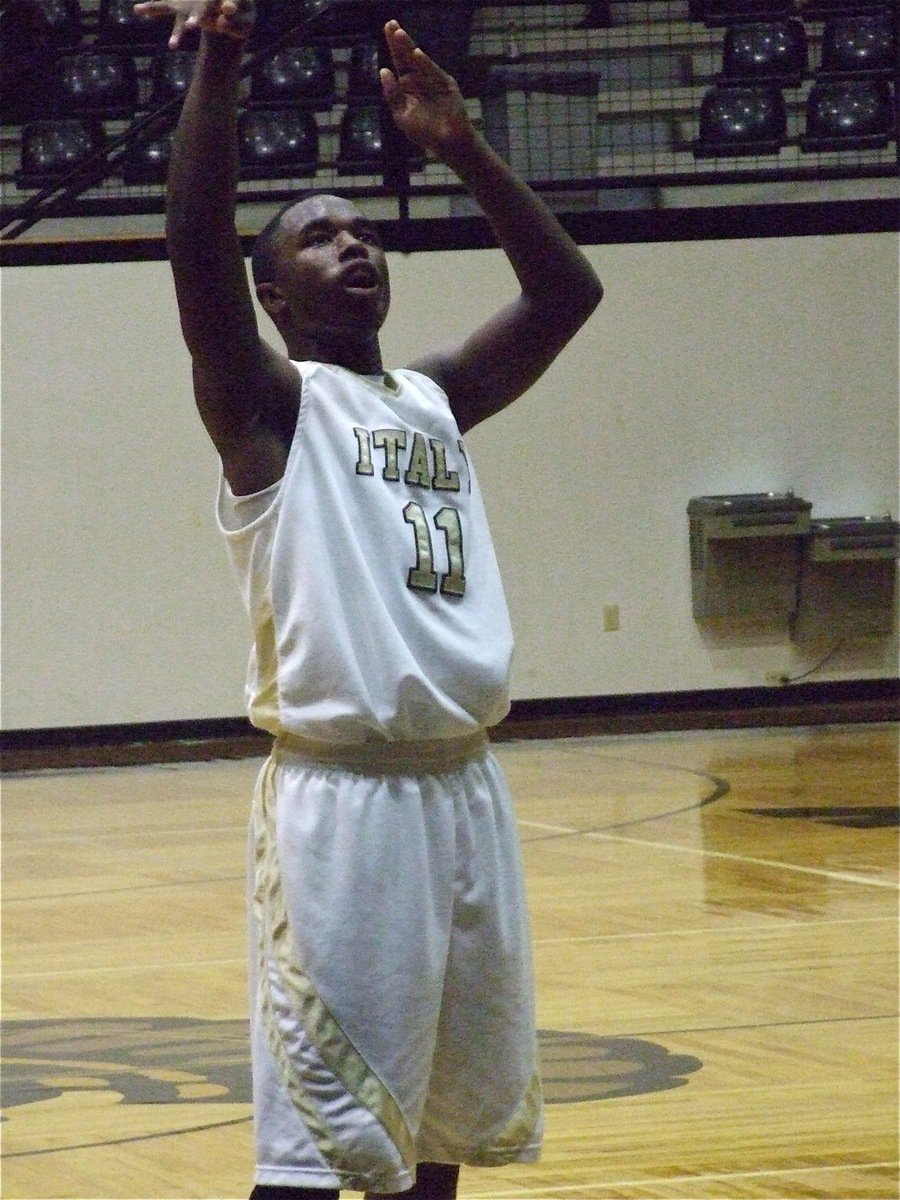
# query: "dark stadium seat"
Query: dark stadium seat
171,75
849,114
61,19
101,83
51,148
294,75
363,81
741,121
148,161
769,50
277,143
859,44
361,143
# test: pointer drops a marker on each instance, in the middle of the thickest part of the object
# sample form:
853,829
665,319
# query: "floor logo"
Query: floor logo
171,1075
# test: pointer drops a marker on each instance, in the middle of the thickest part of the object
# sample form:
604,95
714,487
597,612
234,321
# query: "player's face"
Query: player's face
333,269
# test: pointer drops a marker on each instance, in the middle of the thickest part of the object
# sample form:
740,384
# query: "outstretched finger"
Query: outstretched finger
400,46
153,8
233,20
182,21
390,89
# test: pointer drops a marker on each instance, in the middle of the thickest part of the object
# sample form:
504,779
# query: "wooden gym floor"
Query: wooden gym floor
715,925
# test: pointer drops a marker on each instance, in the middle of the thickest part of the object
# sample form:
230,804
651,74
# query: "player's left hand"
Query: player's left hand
230,18
424,100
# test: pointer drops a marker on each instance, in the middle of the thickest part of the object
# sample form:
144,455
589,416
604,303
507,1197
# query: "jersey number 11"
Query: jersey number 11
423,577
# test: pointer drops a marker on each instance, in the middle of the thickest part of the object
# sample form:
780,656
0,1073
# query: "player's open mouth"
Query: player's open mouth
361,276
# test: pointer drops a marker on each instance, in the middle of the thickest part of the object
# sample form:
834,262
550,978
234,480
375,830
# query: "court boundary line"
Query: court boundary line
49,897
181,966
774,1172
536,942
701,931
40,1151
746,859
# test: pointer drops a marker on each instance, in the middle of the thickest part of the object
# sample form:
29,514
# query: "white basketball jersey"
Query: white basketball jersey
368,571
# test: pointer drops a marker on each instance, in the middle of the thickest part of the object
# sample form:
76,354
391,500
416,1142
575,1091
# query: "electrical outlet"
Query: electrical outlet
610,618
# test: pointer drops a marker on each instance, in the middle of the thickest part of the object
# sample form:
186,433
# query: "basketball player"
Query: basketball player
393,1027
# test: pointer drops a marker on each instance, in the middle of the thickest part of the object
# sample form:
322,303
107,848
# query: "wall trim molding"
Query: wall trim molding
596,227
844,702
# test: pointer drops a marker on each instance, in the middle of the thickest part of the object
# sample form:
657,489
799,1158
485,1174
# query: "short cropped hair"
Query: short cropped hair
265,247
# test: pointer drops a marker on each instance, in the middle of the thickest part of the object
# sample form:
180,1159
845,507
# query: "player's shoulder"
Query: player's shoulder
429,368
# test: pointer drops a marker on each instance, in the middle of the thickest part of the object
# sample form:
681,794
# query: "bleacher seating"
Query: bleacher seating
361,140
302,75
170,76
51,148
631,92
849,114
859,44
771,50
100,83
278,142
147,162
741,121
61,19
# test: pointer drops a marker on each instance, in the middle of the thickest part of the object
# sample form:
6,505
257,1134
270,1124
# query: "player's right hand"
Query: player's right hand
231,18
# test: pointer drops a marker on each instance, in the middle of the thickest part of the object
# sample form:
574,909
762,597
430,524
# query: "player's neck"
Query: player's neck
357,352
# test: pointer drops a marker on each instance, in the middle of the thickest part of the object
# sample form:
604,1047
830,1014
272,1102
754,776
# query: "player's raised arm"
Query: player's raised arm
559,288
247,394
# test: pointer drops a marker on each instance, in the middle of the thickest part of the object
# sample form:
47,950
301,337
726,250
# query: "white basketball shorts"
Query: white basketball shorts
391,982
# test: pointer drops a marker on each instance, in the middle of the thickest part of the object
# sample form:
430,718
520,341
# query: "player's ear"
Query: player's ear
271,298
